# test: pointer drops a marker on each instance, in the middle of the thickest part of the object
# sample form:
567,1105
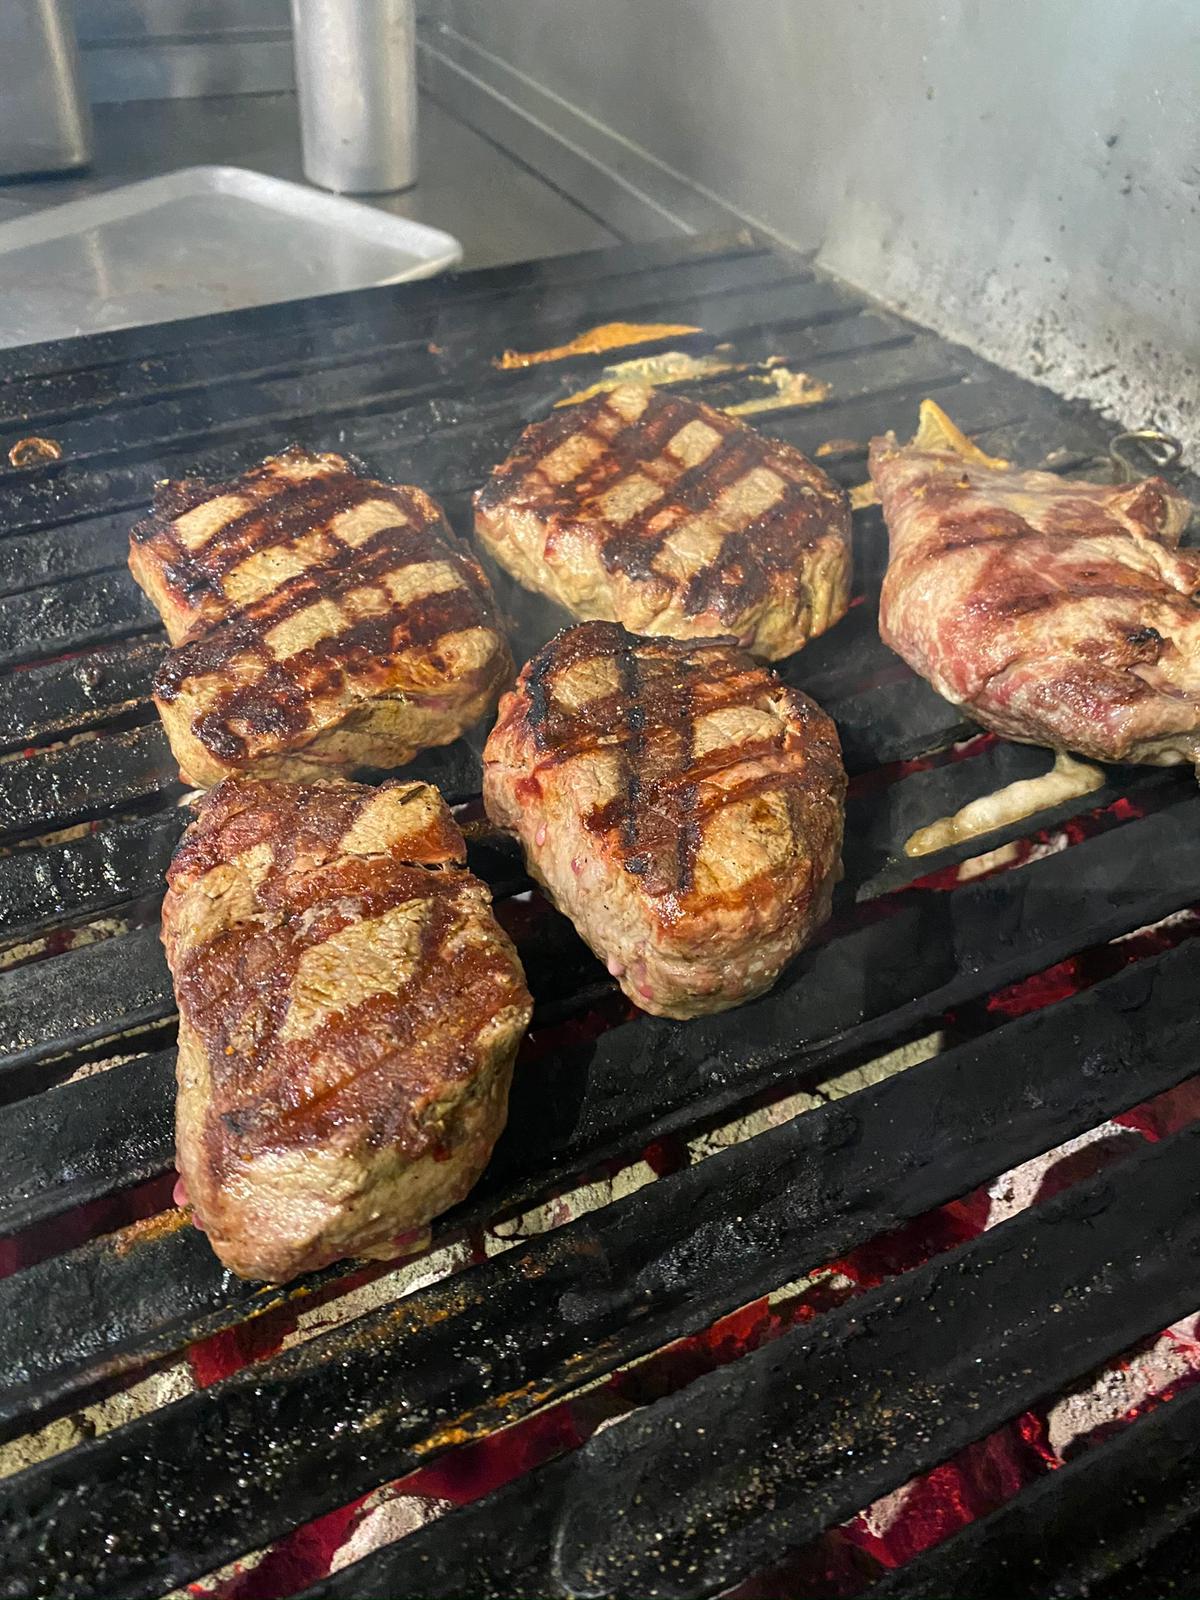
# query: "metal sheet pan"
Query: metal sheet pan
199,240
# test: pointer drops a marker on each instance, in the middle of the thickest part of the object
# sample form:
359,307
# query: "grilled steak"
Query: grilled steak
679,803
349,1011
669,517
321,621
1055,612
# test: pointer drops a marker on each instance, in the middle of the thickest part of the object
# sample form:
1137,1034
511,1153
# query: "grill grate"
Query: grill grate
717,1481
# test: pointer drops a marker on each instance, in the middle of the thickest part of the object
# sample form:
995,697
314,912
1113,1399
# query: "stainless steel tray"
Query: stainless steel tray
198,240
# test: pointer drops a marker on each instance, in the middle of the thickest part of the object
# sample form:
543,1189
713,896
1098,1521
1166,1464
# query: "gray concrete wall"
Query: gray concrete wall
1024,175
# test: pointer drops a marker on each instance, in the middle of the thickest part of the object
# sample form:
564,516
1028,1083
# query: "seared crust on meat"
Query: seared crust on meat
349,1015
653,511
1055,612
680,804
322,621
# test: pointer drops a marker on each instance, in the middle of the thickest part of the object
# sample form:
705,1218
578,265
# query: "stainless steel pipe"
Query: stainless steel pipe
356,77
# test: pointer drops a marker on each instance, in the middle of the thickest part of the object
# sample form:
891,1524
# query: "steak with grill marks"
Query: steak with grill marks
671,518
1053,611
321,621
678,802
349,1012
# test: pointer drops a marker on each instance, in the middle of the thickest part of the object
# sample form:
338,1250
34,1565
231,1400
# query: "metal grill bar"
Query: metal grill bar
64,697
690,1494
27,560
57,787
66,883
803,1192
124,861
1119,1502
877,983
735,293
679,1498
61,1147
57,1008
70,616
131,409
894,722
30,560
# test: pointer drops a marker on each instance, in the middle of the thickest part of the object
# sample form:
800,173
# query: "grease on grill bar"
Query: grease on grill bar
799,1434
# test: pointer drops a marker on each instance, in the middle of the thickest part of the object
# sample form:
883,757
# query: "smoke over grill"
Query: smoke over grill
794,1257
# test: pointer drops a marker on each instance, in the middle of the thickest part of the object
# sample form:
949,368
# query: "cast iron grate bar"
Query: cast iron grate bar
647,1078
63,884
680,1498
1080,1528
441,461
63,697
82,1123
59,1007
803,1193
695,1492
72,615
55,788
1171,1568
99,606
92,544
32,560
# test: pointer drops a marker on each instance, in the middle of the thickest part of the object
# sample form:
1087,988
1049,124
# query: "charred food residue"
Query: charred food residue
608,336
34,452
